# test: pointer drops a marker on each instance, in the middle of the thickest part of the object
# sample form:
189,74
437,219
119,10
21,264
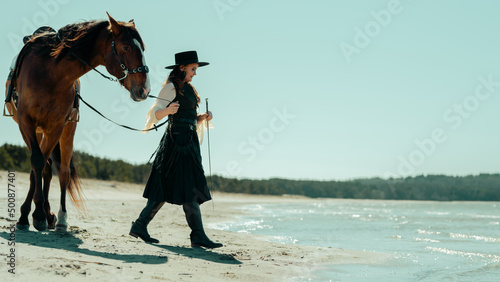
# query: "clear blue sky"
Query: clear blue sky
303,89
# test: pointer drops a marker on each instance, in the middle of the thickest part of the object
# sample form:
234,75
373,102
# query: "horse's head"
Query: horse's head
126,59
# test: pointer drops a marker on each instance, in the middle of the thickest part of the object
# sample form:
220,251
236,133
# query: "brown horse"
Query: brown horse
46,80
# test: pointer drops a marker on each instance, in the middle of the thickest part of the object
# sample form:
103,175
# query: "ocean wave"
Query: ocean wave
242,227
485,216
475,237
286,239
421,231
494,258
438,213
425,240
256,207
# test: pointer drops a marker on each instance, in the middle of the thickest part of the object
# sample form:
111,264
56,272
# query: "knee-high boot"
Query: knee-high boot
198,236
139,227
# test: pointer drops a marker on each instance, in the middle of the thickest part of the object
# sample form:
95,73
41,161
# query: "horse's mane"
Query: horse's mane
77,38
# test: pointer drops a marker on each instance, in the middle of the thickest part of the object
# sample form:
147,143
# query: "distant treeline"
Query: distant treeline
483,187
18,158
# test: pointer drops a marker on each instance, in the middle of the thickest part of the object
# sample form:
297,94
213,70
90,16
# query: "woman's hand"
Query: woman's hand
173,108
170,110
205,116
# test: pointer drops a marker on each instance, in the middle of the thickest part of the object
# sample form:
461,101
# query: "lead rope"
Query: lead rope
155,127
209,159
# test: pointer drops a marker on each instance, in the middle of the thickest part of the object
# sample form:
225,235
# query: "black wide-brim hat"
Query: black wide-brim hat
186,58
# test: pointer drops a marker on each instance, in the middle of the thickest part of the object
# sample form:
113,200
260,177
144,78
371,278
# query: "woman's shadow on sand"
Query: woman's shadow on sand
201,253
67,241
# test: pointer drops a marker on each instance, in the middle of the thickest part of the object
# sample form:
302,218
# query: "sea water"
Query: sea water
430,241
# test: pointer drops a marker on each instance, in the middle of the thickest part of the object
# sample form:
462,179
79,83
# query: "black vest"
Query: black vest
187,103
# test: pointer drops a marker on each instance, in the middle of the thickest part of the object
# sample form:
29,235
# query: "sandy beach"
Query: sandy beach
97,245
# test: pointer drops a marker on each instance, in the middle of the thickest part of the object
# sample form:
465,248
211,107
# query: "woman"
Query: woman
177,175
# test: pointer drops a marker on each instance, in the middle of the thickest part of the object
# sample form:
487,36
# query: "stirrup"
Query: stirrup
4,112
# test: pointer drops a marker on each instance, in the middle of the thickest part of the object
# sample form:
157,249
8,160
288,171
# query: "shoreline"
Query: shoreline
97,245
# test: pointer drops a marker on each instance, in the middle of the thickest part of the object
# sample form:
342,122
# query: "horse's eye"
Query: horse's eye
126,48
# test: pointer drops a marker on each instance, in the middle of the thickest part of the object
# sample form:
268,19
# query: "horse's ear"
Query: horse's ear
115,26
132,22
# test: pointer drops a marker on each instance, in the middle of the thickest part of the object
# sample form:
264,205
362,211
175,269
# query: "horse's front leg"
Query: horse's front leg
67,177
28,131
47,177
23,222
38,164
40,197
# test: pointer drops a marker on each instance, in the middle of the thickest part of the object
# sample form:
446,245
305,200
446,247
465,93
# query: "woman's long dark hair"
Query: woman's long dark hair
177,77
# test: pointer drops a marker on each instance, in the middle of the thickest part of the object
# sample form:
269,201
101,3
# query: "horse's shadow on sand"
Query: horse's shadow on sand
67,241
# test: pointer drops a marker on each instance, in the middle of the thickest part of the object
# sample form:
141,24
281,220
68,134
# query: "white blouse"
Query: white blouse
167,95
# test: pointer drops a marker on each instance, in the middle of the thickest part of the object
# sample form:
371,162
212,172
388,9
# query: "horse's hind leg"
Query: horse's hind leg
66,153
47,177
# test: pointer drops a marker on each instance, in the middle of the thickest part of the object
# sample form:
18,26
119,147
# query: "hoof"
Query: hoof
62,224
39,220
51,220
40,225
61,228
22,226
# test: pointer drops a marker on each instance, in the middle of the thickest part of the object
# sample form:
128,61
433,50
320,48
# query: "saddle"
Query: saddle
12,97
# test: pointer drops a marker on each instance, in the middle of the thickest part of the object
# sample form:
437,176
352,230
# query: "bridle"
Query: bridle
126,71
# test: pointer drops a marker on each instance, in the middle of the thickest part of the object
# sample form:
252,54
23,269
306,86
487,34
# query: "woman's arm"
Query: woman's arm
159,109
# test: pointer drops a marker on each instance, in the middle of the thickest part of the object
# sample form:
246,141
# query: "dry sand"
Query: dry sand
97,245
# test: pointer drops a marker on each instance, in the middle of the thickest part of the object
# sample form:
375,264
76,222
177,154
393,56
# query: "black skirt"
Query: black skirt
177,175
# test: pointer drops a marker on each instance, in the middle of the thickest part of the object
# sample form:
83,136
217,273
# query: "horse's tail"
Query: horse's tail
75,188
75,185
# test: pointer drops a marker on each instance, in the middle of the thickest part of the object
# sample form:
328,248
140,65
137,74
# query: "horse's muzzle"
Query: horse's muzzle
139,94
